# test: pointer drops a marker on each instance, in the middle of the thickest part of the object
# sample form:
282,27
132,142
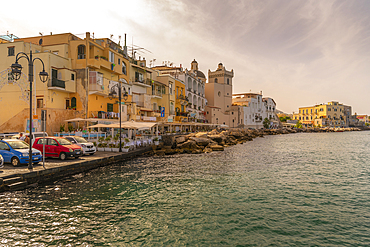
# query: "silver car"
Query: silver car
87,147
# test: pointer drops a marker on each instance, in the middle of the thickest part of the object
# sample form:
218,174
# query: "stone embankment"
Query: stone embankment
217,140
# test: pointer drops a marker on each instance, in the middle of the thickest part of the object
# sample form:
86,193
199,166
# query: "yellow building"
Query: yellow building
332,114
82,75
50,95
169,97
181,101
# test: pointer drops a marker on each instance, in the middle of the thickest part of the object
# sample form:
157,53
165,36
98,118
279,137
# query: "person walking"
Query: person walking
27,139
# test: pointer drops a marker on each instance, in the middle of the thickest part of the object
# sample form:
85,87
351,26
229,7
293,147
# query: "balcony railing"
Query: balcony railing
182,114
58,83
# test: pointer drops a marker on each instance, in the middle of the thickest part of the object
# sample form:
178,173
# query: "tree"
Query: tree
266,123
298,125
284,119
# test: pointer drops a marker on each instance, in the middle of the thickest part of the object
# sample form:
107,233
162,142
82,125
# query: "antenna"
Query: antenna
111,36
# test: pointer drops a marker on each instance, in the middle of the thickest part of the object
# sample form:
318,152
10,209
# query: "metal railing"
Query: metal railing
58,83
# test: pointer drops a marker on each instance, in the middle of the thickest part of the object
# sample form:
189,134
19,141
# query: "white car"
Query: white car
87,147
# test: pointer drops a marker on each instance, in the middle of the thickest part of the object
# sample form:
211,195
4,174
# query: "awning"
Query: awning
145,109
76,120
100,126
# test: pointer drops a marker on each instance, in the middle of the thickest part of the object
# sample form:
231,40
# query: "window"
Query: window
119,61
81,53
40,103
67,104
228,81
52,142
219,93
139,77
216,80
124,71
111,57
170,88
11,51
109,107
72,77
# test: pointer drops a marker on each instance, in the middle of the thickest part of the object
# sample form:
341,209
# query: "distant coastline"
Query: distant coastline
219,139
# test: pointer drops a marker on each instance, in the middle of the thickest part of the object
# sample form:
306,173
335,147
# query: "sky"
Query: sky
298,52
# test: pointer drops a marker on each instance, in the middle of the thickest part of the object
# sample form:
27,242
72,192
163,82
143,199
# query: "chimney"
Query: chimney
87,35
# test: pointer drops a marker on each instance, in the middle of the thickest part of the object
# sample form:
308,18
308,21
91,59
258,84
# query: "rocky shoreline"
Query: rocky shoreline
217,140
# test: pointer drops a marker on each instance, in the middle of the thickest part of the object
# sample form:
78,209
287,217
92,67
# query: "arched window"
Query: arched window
73,103
124,70
189,83
216,80
81,52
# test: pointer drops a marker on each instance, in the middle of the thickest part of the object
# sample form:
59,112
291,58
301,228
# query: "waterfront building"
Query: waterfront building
332,114
51,95
218,92
194,81
82,74
254,109
363,118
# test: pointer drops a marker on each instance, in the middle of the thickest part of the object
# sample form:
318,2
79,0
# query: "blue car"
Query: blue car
16,152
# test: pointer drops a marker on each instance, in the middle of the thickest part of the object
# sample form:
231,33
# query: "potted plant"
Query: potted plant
101,146
62,128
125,149
115,147
156,141
105,146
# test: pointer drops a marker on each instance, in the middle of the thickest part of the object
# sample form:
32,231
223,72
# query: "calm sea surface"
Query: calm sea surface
287,190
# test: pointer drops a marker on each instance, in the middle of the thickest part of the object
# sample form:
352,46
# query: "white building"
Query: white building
254,109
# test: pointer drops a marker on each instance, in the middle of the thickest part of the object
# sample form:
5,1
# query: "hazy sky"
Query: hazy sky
300,53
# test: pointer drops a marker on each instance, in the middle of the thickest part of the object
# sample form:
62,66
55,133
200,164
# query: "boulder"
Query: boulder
217,148
180,139
216,138
196,151
201,141
207,150
201,135
190,144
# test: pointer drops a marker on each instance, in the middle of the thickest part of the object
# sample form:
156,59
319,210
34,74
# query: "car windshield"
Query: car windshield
80,139
18,144
63,141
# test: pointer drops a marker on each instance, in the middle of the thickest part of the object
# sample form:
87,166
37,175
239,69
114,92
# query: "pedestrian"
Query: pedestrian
27,139
21,136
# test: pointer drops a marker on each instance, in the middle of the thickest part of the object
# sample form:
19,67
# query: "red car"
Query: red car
57,147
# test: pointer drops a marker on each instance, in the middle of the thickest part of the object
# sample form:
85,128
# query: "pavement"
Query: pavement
9,170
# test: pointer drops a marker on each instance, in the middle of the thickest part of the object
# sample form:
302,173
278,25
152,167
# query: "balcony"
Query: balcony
55,82
181,114
96,85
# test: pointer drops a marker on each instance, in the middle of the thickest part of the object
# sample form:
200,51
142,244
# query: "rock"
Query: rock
207,150
197,151
216,138
190,144
180,139
159,152
201,141
170,151
201,135
217,148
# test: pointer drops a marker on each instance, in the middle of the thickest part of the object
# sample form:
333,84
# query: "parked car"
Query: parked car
7,135
58,147
87,147
16,152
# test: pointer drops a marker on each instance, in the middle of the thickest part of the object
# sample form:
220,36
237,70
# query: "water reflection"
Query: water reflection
292,190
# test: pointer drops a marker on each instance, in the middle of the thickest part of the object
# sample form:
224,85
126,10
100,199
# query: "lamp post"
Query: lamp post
16,72
125,96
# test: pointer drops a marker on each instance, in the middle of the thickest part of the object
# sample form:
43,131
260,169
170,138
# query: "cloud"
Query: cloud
297,52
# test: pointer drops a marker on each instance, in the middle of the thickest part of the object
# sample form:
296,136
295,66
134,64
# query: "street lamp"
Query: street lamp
125,96
16,72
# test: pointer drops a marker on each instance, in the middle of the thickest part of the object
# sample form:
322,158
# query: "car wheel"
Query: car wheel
15,161
62,156
77,157
91,153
